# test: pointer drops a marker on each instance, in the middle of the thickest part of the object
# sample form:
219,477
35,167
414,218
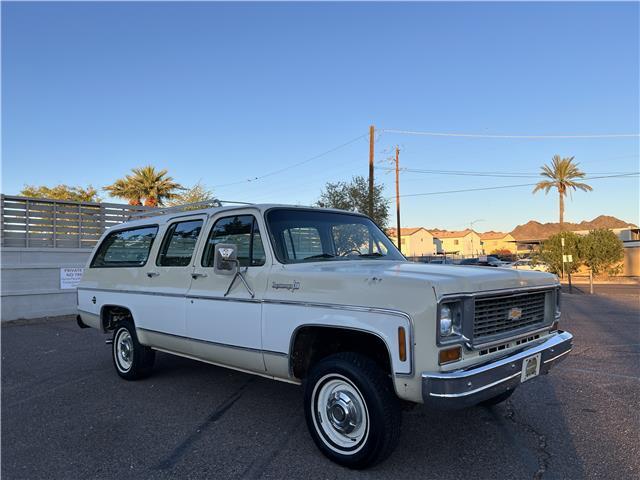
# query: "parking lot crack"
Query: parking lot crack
216,415
257,468
542,454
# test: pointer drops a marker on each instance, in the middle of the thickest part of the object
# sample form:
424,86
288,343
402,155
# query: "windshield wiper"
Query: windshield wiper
374,254
322,255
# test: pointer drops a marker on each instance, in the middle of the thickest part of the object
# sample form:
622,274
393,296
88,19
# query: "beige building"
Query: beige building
463,242
415,242
492,241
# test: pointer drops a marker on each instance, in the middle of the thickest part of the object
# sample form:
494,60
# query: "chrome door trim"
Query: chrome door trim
132,292
217,344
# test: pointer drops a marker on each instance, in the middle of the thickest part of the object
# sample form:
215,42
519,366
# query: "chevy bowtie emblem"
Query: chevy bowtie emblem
514,314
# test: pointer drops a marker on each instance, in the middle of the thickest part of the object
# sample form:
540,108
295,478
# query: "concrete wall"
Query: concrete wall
631,259
30,281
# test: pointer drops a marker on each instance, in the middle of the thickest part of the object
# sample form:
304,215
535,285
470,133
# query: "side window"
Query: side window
302,242
179,243
241,230
125,248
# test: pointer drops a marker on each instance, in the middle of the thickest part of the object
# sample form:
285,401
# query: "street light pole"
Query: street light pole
562,249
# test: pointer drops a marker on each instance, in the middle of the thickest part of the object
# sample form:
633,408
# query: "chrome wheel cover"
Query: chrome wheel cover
340,414
123,350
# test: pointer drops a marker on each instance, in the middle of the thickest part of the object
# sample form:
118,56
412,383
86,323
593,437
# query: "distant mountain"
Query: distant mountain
533,230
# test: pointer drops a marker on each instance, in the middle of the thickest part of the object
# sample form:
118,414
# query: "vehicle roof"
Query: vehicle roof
260,207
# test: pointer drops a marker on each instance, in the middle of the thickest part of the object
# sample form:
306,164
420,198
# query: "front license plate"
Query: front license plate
530,367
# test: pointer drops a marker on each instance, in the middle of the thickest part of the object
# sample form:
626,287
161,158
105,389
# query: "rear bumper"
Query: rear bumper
465,388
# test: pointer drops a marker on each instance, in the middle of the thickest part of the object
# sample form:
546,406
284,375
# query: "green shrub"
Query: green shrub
601,251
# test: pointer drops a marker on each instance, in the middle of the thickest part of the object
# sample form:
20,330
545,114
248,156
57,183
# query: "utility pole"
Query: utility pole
371,137
398,235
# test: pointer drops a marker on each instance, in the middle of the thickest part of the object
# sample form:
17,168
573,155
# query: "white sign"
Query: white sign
567,258
70,277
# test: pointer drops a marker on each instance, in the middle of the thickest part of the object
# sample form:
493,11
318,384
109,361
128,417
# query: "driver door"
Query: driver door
228,328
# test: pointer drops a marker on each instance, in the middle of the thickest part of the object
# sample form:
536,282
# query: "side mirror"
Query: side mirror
225,260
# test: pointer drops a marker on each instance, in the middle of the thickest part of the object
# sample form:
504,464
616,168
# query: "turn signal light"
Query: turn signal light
449,355
402,344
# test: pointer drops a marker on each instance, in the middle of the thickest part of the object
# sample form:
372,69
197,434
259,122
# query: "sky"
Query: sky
223,93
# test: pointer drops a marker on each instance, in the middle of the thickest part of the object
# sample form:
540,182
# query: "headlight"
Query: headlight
446,321
450,319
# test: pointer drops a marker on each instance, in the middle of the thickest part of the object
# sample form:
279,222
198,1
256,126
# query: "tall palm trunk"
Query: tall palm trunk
561,209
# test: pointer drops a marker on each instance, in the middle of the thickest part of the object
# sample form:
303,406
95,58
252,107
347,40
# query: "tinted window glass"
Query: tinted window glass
125,248
242,231
179,243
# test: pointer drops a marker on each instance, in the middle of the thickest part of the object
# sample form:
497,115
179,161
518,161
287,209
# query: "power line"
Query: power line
487,173
530,137
505,186
284,169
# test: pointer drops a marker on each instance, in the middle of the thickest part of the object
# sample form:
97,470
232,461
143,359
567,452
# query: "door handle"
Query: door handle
195,275
152,274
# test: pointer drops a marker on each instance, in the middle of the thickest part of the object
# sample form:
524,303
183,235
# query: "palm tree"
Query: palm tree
124,188
562,175
145,183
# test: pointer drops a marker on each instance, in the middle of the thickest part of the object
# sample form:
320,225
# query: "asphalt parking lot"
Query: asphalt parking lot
66,414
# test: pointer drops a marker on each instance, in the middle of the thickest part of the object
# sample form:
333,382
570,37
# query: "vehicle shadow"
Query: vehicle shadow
498,442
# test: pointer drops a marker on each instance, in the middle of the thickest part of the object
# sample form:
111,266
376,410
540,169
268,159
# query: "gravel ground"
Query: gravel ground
67,415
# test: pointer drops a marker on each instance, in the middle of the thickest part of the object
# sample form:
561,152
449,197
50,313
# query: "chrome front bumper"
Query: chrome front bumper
465,388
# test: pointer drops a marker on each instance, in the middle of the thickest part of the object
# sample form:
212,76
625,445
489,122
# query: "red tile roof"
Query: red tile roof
491,235
451,234
405,232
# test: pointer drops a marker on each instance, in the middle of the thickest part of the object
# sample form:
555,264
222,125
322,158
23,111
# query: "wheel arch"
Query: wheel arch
112,314
309,344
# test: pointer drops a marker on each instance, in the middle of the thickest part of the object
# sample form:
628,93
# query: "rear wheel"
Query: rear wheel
352,412
131,359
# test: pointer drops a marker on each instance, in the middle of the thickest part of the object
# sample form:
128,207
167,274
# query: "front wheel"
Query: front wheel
131,359
352,412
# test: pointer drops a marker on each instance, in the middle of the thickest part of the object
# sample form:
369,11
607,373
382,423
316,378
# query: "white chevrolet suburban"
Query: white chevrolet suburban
320,298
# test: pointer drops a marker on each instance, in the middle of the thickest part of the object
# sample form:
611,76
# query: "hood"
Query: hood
444,279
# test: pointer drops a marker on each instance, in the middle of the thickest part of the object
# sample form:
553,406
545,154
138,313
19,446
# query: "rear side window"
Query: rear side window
241,230
179,243
125,248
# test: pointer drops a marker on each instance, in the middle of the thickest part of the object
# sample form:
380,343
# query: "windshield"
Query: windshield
315,235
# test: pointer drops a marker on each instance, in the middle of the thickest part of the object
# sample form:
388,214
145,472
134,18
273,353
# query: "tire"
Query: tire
132,360
352,411
490,402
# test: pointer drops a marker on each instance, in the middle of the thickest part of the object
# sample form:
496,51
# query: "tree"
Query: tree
601,250
562,175
551,252
127,189
62,192
354,196
145,183
195,194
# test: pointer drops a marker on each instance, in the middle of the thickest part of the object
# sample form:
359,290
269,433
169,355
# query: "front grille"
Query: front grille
499,315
